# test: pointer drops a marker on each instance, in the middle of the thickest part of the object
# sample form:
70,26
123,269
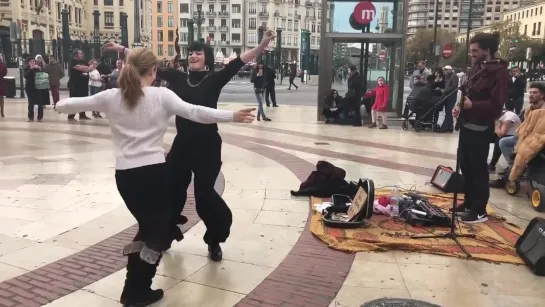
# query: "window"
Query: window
170,50
252,23
252,37
235,23
108,19
223,8
183,22
95,3
252,8
263,9
108,2
184,8
171,7
170,35
160,49
223,37
160,35
59,10
159,6
538,28
223,23
184,37
121,2
235,37
171,21
159,21
235,9
211,22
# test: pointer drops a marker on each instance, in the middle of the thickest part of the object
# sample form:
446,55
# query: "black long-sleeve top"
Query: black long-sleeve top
199,88
30,78
259,81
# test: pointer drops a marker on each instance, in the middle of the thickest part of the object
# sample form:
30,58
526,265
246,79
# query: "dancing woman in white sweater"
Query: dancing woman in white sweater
138,116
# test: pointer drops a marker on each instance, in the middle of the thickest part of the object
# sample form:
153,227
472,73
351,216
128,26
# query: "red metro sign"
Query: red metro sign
364,12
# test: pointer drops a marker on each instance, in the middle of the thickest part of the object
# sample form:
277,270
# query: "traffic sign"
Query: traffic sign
382,55
448,50
364,12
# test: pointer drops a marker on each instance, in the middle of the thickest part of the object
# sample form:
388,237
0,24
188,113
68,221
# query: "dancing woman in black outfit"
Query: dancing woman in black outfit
197,147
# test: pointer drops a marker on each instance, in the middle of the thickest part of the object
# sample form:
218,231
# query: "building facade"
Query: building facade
453,15
531,18
45,23
164,20
232,25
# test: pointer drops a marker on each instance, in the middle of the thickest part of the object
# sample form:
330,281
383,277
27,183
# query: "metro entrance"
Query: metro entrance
375,48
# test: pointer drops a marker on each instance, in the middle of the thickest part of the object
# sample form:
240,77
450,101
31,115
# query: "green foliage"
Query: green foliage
510,36
418,46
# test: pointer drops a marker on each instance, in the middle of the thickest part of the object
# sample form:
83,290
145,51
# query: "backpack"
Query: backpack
41,81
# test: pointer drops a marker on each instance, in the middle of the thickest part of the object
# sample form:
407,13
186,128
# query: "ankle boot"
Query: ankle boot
137,291
214,252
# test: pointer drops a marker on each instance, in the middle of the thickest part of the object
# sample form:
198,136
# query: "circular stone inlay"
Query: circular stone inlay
397,302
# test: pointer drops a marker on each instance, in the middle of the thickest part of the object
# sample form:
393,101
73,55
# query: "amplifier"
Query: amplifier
531,246
447,180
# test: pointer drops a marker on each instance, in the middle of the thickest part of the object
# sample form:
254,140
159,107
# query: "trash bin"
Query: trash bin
11,90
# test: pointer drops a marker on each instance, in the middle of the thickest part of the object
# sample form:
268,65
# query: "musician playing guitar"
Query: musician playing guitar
482,103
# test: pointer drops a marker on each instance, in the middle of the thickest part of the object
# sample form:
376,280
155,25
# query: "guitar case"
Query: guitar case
358,221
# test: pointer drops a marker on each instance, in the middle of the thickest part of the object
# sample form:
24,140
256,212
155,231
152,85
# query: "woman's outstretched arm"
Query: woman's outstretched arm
253,53
97,102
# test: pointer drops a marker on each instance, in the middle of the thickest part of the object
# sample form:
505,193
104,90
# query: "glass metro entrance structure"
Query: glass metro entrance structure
377,50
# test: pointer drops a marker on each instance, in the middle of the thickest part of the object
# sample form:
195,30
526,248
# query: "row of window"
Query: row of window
525,14
171,51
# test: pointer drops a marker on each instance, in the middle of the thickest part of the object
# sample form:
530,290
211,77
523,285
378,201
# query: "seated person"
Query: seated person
505,126
332,103
423,97
529,139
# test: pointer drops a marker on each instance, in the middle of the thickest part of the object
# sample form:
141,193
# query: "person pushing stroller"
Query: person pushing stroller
422,99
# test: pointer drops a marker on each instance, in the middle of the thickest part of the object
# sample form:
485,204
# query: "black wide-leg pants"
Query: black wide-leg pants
473,151
146,192
199,155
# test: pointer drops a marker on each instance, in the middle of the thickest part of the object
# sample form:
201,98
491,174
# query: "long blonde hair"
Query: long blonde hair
138,64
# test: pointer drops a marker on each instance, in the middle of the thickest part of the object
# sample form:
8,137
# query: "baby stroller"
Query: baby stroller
422,110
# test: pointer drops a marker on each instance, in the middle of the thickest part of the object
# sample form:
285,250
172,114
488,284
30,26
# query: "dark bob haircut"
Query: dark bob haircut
208,53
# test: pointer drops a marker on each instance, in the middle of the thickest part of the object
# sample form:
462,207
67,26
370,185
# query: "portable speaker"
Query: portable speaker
531,246
447,180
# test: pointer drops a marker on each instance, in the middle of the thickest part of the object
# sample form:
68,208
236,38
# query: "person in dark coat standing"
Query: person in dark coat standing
3,73
354,94
270,76
32,93
451,85
517,87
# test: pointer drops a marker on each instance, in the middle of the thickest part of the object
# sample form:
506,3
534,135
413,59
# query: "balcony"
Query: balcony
298,16
223,1
264,15
276,14
211,14
223,43
264,1
310,17
223,14
211,29
196,15
308,3
199,1
278,1
223,29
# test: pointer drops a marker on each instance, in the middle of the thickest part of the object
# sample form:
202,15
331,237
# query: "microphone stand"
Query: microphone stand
452,232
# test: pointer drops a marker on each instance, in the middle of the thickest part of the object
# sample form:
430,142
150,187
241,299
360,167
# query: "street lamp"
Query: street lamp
199,20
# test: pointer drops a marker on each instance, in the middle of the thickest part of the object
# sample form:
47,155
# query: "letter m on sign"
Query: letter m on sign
368,14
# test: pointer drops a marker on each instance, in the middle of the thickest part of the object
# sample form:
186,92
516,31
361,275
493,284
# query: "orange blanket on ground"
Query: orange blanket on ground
495,239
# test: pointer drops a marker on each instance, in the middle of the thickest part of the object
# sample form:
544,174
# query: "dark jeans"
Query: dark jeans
55,93
200,155
269,91
496,154
291,82
79,92
515,105
448,122
34,100
473,155
146,193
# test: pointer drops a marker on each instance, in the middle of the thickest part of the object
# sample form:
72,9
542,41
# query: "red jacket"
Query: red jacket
381,95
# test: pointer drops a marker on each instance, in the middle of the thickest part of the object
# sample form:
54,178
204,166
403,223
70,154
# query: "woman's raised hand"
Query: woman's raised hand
268,35
244,116
111,46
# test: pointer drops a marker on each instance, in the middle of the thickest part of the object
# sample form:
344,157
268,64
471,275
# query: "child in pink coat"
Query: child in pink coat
381,94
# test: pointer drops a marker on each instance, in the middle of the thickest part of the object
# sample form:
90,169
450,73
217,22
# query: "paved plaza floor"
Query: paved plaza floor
63,223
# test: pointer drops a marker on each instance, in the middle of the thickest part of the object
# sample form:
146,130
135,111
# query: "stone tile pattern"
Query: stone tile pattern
72,273
311,274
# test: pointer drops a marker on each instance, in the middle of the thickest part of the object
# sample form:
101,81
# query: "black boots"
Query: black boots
214,252
137,291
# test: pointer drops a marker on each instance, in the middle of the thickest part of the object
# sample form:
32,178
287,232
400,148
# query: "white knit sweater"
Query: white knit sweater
138,133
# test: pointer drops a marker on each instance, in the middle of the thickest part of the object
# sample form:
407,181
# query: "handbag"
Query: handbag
41,81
